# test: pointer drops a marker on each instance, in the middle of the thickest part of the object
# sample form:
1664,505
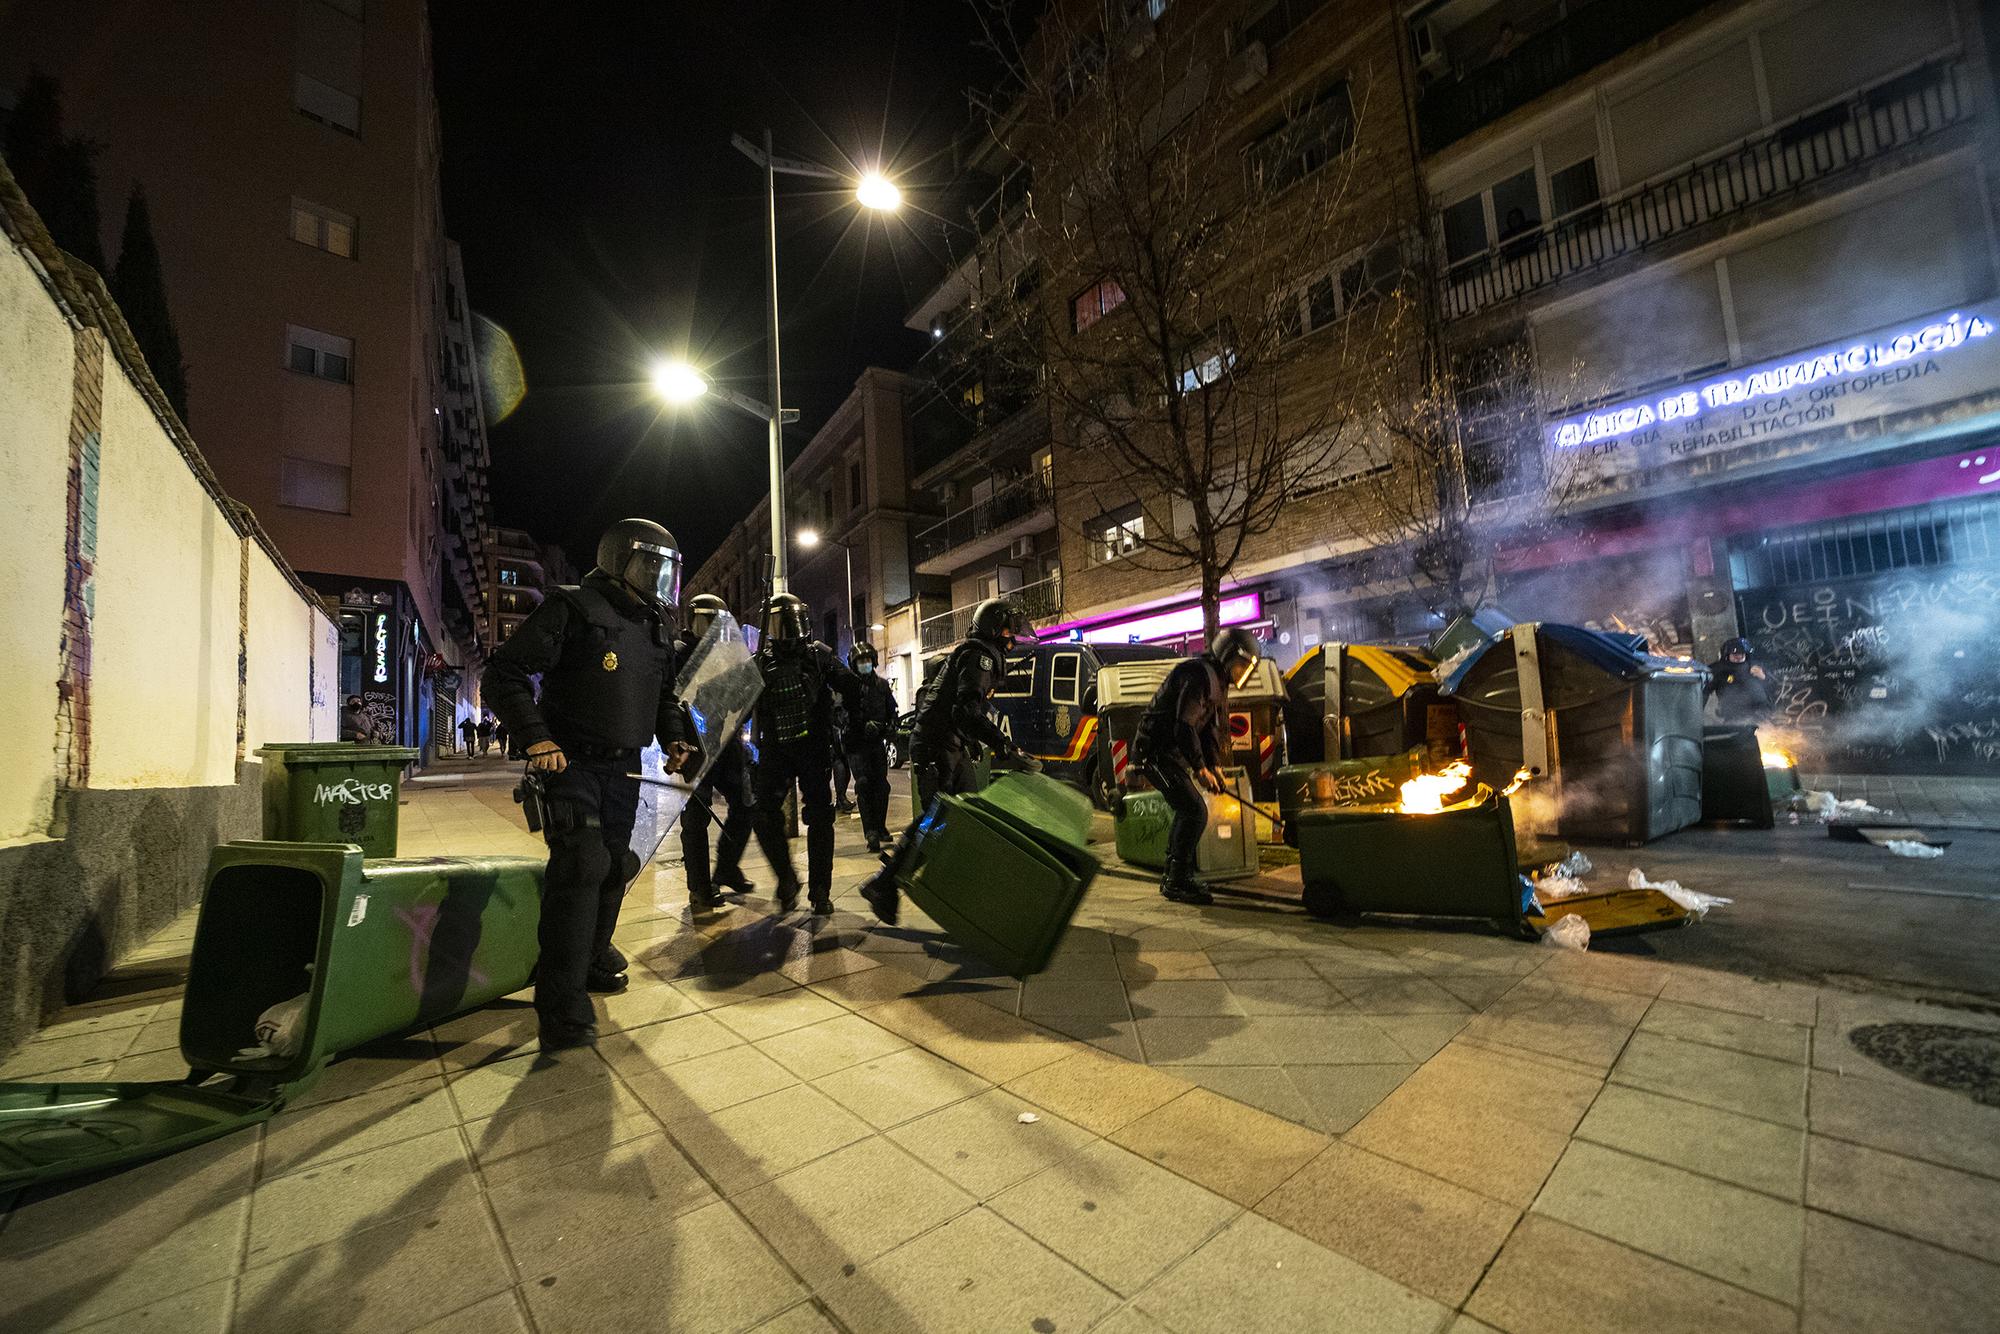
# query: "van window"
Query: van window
1017,681
1066,678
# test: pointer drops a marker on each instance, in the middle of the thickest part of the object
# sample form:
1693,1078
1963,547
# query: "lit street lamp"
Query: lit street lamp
808,539
677,382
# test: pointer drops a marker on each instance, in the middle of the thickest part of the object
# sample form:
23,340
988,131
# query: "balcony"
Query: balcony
1042,601
1451,109
1817,147
1022,508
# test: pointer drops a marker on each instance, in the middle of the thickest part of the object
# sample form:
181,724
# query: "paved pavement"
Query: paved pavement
1243,1119
1936,803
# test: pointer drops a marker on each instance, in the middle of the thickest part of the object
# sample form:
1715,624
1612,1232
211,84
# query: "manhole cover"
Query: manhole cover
1963,1059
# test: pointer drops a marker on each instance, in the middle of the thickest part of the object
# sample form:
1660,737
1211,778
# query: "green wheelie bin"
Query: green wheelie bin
1459,862
353,951
333,792
1228,847
1002,870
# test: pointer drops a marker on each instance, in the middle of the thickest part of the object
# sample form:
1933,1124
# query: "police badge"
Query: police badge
610,662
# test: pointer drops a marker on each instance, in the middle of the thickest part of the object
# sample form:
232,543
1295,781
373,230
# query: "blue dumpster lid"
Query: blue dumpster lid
52,1131
1612,652
1488,623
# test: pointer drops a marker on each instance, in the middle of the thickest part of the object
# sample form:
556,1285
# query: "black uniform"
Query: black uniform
607,669
729,779
842,775
1184,729
794,736
1740,697
870,719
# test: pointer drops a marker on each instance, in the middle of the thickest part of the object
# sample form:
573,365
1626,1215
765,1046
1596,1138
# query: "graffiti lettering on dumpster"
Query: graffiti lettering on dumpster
1329,788
352,792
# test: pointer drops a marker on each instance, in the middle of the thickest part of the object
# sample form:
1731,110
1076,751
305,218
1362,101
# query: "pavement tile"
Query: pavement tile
126,1240
1098,1092
710,1083
83,1020
499,1314
1120,1037
1477,990
1097,964
553,1217
1326,1039
1586,1025
202,1310
1732,1080
1723,1231
1555,1279
805,1318
1203,1040
37,1060
1605,971
715,990
849,1207
1118,1217
859,991
398,1276
640,1005
166,1065
379,1065
1947,1208
1862,1281
703,1271
1722,1028
830,1045
1342,963
1707,1140
1266,1087
1784,1002
767,1016
1840,1013
1421,1036
1235,1150
1401,995
321,1132
977,1272
1902,1116
1258,1276
1181,998
820,964
982,1144
158,1035
657,1046
1129,1320
895,1088
1234,964
1286,995
1153,965
1340,1095
319,1204
1423,1232
481,1037
994,1046
748,1144
1088,996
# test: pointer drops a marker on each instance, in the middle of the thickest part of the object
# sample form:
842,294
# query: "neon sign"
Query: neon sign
381,647
1236,610
1944,335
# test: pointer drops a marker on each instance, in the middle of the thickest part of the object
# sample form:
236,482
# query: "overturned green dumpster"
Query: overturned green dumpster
301,951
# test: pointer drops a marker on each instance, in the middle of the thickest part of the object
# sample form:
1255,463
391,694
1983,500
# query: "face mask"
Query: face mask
866,669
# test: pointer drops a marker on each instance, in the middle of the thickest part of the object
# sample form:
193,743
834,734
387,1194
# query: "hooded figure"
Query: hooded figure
1741,691
1182,738
604,651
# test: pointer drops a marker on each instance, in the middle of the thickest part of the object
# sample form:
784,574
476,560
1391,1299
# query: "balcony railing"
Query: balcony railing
1014,502
1454,108
1815,147
1042,600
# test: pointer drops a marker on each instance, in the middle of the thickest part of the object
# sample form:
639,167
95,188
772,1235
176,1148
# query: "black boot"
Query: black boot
1179,886
734,881
819,868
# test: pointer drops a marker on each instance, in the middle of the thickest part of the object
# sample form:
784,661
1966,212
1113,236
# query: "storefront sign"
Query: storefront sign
381,646
1238,609
1936,360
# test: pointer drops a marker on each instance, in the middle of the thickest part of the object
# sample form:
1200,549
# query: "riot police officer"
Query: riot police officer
953,724
604,650
1181,739
729,779
794,737
870,719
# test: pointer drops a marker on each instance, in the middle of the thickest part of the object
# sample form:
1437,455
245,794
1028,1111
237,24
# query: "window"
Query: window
1320,132
1277,23
1573,188
322,228
854,485
308,485
1017,680
1504,216
310,352
510,575
1066,678
326,104
1117,534
1094,302
1350,283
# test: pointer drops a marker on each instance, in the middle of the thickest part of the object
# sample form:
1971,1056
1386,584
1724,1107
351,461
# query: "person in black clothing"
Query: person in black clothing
1741,691
467,729
729,779
953,724
842,804
1182,737
485,733
604,650
793,733
870,719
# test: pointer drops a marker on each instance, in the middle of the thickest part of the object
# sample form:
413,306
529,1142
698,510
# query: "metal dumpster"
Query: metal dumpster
1733,785
372,948
1612,732
1124,689
1347,701
333,792
1458,862
1228,847
1257,728
1369,780
1002,871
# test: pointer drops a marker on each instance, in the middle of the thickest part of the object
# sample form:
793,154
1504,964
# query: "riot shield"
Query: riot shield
718,684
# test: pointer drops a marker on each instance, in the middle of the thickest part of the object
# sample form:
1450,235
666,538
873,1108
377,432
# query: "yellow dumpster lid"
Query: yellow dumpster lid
1399,668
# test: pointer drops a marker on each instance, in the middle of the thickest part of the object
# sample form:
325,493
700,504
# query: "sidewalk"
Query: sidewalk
797,1126
1935,803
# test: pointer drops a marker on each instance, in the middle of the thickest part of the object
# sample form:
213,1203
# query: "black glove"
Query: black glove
873,731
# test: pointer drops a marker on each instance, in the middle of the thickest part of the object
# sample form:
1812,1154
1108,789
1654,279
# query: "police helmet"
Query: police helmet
1237,652
862,654
644,557
702,609
787,620
1000,621
1737,645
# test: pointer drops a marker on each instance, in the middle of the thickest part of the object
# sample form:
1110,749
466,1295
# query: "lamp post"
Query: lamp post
679,382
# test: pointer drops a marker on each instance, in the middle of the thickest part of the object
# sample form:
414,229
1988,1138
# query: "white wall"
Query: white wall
278,684
37,376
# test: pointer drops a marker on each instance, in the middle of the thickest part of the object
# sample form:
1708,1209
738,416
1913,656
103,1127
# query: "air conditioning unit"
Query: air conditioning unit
1247,68
1432,58
1022,548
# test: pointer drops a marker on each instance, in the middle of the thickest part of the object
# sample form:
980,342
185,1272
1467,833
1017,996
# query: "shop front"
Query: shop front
384,651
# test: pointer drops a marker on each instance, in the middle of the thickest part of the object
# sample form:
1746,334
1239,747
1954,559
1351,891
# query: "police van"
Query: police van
1047,704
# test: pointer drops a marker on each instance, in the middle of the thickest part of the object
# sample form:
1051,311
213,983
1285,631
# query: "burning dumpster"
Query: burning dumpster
1353,700
1367,781
1228,847
1613,732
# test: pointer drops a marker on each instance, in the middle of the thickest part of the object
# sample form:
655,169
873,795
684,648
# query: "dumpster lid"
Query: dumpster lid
1613,653
1047,805
52,1131
336,752
1488,623
1399,668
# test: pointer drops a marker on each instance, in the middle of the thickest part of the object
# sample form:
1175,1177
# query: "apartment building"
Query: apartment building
1751,246
289,153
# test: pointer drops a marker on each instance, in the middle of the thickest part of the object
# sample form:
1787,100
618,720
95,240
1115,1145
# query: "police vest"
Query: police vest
790,706
606,686
937,699
1160,734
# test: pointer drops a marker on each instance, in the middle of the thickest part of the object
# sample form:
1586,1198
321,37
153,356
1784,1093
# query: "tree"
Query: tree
57,172
1190,290
139,287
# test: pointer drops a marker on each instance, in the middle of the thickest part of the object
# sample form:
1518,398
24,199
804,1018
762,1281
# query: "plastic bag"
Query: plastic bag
1442,672
1568,932
277,1030
1555,886
1575,866
1909,847
1693,900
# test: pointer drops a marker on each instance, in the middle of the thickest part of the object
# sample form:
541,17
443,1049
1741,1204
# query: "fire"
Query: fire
1521,776
1425,794
1777,759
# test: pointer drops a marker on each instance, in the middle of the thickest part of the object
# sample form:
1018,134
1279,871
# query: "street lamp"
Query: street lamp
678,382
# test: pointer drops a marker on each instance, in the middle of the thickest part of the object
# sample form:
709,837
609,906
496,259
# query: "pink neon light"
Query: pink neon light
1186,621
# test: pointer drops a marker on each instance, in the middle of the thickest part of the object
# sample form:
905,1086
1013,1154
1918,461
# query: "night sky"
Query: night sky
604,219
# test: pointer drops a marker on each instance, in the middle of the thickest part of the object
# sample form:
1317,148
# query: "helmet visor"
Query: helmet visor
1240,668
654,572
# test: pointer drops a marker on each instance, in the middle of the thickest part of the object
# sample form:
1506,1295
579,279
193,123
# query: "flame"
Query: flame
1777,759
1425,794
1521,776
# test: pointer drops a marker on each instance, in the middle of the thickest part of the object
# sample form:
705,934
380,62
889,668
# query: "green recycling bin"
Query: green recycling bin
333,792
365,949
1459,862
1228,847
1002,871
1366,780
